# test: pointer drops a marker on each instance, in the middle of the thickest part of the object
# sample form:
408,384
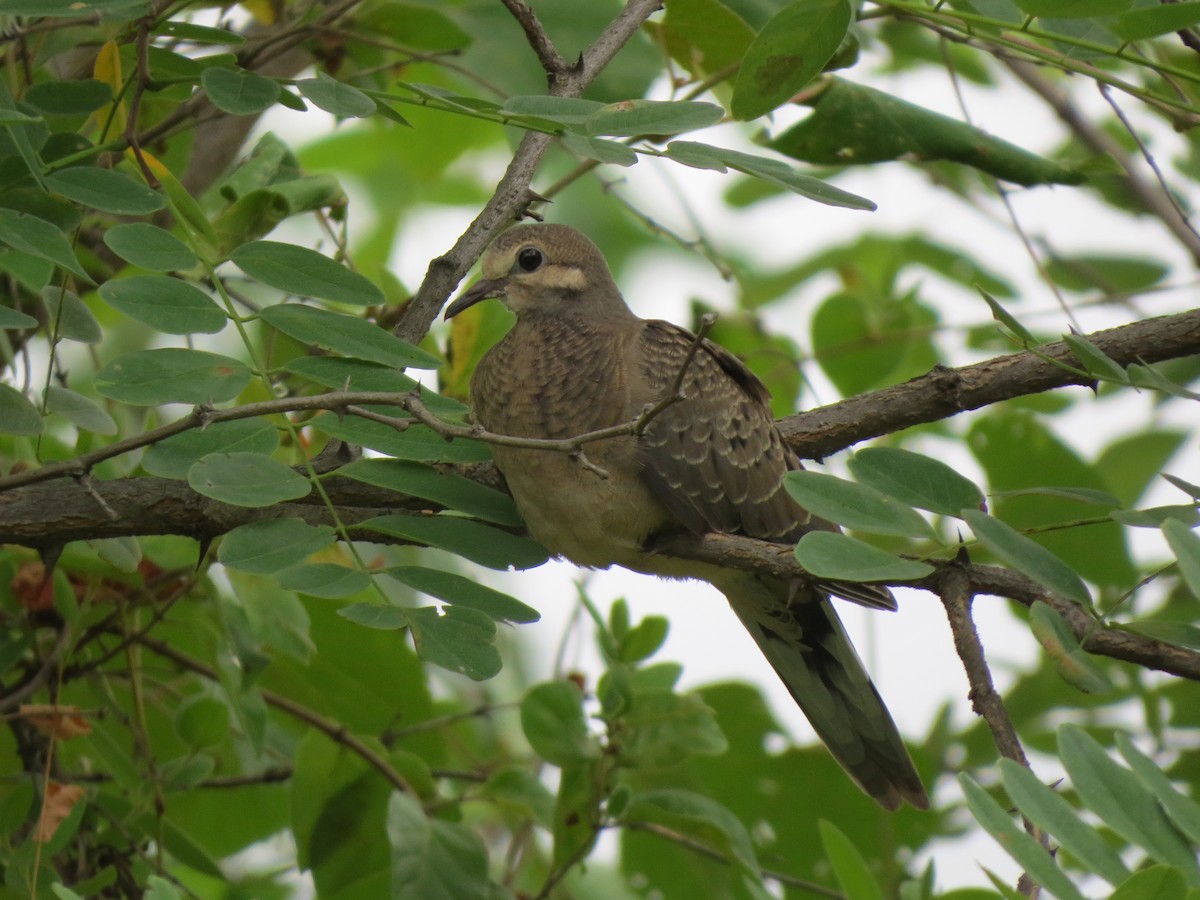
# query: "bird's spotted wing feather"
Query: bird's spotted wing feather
714,458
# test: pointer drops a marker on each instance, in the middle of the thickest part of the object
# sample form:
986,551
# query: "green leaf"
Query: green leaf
173,457
381,618
849,867
238,92
1111,273
172,375
631,118
269,545
17,414
1186,547
1031,855
417,442
789,52
1117,796
149,247
458,639
479,543
158,888
246,479
82,412
1027,556
1157,882
852,124
1181,809
327,580
106,190
1095,360
1005,318
68,98
305,273
698,817
164,303
599,149
838,557
706,35
202,722
345,334
462,591
854,506
75,9
1061,645
39,238
433,859
560,110
915,479
553,722
11,318
642,641
445,488
772,171
69,317
1151,21
665,727
335,97
1066,9
1049,811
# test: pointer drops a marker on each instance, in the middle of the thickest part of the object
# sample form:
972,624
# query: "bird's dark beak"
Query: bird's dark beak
480,290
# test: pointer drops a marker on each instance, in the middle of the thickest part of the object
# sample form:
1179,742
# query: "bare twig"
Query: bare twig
1156,202
546,52
335,731
512,194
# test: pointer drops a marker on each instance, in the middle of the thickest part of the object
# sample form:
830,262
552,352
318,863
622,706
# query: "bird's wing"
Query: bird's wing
715,458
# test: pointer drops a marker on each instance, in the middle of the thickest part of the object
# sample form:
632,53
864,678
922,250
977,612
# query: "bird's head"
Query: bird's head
537,268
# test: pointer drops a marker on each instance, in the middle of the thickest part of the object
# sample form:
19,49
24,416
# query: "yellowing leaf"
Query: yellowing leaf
107,70
63,722
60,799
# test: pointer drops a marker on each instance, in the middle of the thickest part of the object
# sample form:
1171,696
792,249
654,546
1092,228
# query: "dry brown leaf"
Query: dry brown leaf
62,722
60,799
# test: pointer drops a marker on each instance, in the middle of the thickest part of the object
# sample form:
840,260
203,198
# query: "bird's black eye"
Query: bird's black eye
530,259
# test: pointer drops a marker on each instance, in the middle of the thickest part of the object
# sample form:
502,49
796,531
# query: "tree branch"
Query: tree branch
942,393
512,195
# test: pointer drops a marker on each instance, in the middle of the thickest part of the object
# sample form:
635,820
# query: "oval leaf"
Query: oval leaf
630,118
305,273
854,506
270,545
165,303
444,488
82,412
246,479
17,414
345,334
106,190
1048,810
838,557
915,479
238,92
173,457
149,247
1027,556
479,543
335,97
172,375
553,722
464,591
327,580
790,51
1118,797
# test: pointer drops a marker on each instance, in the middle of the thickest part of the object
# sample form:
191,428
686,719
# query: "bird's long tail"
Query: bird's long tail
798,630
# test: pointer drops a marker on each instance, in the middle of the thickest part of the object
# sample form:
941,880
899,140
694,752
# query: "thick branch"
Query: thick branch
942,392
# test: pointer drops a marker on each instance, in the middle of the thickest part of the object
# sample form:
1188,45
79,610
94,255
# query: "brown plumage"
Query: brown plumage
577,360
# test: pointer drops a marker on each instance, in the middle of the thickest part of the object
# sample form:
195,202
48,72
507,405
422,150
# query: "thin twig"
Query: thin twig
546,52
335,731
